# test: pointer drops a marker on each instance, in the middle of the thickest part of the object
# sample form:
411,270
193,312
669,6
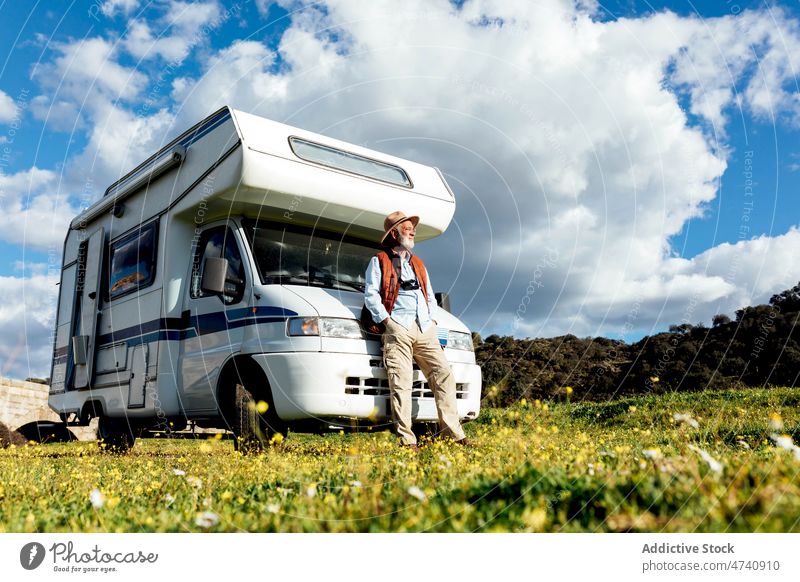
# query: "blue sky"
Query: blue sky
618,166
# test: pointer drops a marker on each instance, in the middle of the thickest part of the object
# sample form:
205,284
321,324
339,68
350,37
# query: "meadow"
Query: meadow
684,462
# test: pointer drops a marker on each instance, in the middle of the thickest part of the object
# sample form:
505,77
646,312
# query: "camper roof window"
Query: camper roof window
349,162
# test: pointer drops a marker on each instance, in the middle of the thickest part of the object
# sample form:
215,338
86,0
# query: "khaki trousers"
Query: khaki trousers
400,347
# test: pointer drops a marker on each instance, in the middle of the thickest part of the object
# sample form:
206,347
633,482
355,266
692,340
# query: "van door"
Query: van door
216,321
87,297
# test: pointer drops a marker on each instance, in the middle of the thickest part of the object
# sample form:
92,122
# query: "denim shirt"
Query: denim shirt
410,306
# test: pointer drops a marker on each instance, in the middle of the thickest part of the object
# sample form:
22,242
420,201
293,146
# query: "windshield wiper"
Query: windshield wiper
286,280
324,280
327,277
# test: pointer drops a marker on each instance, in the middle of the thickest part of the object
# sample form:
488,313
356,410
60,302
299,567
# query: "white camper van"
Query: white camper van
220,283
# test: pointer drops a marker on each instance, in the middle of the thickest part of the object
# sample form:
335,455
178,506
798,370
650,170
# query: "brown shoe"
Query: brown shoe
465,442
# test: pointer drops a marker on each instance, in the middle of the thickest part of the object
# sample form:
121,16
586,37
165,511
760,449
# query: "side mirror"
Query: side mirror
443,300
214,273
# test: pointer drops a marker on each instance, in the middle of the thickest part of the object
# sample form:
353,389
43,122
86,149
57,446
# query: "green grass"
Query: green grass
626,465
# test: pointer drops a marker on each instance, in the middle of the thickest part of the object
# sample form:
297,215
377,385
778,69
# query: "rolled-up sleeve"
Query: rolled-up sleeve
372,291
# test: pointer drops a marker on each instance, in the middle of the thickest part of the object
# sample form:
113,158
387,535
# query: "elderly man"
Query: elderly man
400,298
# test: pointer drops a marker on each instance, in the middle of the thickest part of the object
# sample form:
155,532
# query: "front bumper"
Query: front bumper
314,385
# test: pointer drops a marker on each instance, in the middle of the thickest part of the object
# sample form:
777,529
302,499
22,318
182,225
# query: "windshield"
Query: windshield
294,256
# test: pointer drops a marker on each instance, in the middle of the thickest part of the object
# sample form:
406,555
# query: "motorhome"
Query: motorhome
220,283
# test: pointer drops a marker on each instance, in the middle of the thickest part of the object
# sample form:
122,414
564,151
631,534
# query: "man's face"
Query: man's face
405,234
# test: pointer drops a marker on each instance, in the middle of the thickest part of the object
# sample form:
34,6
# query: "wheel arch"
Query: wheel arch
91,409
242,369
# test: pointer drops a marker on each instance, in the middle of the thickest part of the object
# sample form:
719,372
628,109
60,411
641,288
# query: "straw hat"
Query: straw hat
394,219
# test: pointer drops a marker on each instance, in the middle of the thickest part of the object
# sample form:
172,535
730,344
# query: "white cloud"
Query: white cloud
87,71
565,133
27,311
35,213
59,116
8,109
263,6
111,7
184,26
755,52
118,140
237,74
563,136
757,268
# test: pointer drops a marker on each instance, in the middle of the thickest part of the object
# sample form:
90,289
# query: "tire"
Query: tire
115,435
46,431
253,431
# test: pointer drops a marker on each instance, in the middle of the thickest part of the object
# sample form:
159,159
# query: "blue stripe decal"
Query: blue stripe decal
211,126
177,328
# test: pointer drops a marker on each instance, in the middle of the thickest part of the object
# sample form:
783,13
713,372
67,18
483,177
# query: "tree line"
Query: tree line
760,347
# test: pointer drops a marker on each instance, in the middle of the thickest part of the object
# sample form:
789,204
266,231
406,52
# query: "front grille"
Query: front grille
372,386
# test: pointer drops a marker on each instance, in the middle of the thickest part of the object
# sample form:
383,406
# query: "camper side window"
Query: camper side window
218,243
133,261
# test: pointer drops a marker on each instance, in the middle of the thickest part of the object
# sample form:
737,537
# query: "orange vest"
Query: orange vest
390,284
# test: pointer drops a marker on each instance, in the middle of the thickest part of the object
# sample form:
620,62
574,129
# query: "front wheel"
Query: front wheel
255,424
115,435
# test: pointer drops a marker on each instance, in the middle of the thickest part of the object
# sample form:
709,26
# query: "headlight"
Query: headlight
324,326
459,340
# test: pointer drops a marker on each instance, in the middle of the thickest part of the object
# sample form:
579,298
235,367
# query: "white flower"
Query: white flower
743,444
273,508
207,519
195,482
355,484
415,491
590,469
686,418
97,498
170,499
775,421
179,472
784,441
713,464
311,491
652,453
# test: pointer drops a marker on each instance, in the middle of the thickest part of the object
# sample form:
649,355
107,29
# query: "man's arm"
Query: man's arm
372,292
431,297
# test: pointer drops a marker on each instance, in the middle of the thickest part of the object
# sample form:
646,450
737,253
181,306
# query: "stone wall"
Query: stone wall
23,402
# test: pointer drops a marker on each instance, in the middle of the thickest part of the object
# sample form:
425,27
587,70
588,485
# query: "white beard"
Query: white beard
406,243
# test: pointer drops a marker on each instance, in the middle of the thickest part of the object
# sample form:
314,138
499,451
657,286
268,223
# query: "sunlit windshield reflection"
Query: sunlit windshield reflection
292,256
